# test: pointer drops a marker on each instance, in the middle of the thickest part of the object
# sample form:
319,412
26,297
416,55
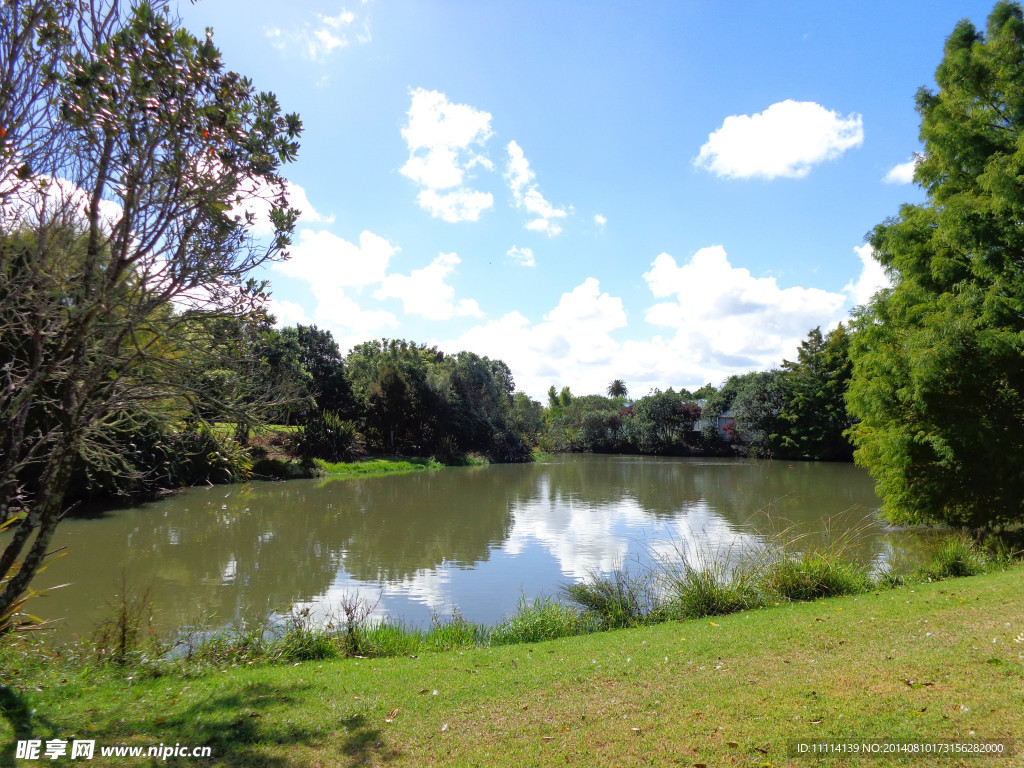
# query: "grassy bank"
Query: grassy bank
933,661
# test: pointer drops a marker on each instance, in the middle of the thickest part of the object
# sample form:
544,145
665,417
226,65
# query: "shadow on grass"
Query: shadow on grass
241,728
15,710
364,742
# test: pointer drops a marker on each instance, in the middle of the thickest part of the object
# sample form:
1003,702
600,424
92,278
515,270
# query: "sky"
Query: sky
666,193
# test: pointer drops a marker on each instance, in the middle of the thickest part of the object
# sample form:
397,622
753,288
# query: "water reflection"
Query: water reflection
474,538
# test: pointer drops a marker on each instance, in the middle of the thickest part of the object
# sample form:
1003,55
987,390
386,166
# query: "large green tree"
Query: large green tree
814,414
938,378
126,149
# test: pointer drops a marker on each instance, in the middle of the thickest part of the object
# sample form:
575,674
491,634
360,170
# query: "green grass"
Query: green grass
377,466
936,661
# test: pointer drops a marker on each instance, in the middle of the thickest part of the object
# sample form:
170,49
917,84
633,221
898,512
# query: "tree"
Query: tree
618,389
119,241
662,422
757,408
938,360
815,412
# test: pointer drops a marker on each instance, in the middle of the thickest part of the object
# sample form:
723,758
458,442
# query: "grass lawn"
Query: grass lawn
934,662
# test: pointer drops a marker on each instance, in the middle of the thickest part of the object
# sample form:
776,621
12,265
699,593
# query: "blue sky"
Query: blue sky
665,193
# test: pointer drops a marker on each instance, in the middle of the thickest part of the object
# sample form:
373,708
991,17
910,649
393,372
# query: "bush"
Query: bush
814,575
956,556
713,590
327,436
619,600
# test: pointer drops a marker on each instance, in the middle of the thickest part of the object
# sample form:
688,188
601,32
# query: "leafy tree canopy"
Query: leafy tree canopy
938,360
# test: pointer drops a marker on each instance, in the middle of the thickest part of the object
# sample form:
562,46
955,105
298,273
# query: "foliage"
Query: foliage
814,413
327,436
416,399
618,389
815,574
711,587
662,422
620,599
938,376
757,408
123,244
956,556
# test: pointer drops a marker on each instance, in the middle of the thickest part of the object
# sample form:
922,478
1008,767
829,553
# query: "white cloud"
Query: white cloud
523,256
787,139
528,196
600,220
902,173
333,266
424,291
460,205
288,312
328,262
445,140
571,344
726,318
316,40
872,277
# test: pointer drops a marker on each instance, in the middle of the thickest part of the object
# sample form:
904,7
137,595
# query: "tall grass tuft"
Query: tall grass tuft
955,556
545,618
456,632
712,588
815,574
620,599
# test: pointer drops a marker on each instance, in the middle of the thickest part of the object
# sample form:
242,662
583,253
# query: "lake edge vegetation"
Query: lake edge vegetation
671,683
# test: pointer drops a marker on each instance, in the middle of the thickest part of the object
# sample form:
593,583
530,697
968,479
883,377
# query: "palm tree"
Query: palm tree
617,389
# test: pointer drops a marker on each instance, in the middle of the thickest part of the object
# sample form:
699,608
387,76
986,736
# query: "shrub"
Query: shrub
713,590
956,556
815,574
619,600
327,436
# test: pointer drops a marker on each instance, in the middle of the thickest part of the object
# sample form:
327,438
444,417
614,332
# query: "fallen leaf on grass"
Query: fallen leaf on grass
962,708
444,727
763,751
391,715
815,722
424,690
732,744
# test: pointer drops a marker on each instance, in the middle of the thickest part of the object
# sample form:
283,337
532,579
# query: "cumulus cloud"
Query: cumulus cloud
458,205
573,343
724,317
523,256
316,40
787,139
902,173
872,277
600,220
424,291
528,196
333,267
288,312
328,262
446,140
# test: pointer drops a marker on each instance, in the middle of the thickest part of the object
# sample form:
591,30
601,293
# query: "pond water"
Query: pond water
475,539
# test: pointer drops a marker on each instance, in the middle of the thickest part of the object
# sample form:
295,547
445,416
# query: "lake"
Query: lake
475,539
